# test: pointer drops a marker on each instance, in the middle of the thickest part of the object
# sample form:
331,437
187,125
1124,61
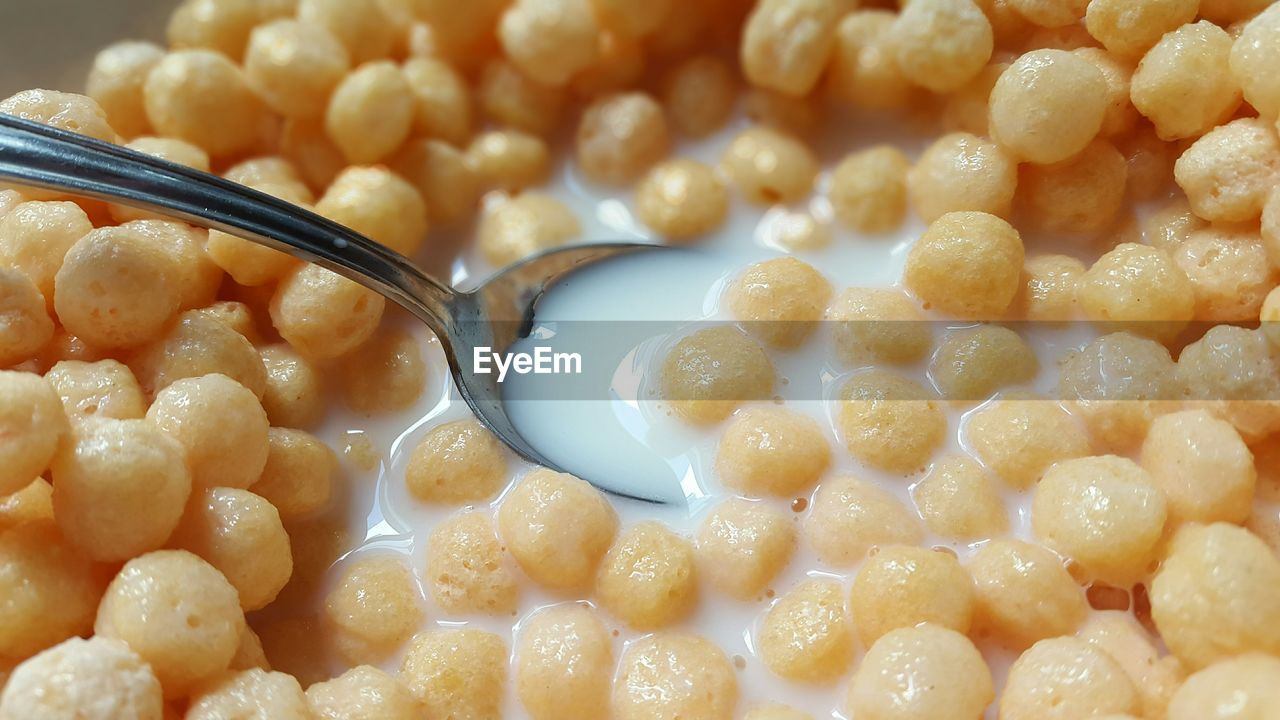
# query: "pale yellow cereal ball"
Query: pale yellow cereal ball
966,264
1080,195
197,275
967,109
248,263
1065,678
550,40
115,82
35,237
362,693
306,145
95,679
850,516
294,66
526,224
1023,593
25,325
712,371
1234,689
681,199
1228,174
378,204
890,422
448,181
202,97
1214,595
456,463
324,315
31,503
786,43
442,100
509,160
1253,56
674,675
1155,673
1048,106
699,95
863,69
1049,286
796,116
293,394
508,97
958,500
926,672
457,673
972,363
249,653
868,190
564,663
903,586
800,231
780,301
1118,73
1138,288
370,113
962,172
1117,385
364,27
253,694
198,344
1226,12
49,590
1018,439
171,150
1051,13
630,18
770,167
1150,160
619,65
878,325
1270,226
807,635
772,451
298,477
1269,314
373,608
270,170
32,424
942,44
620,137
1171,225
221,25
1129,29
64,111
178,613
647,579
467,567
1235,370
1229,270
1202,466
1183,84
558,528
774,711
221,425
742,546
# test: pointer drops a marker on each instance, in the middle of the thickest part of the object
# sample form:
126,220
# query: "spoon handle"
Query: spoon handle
40,156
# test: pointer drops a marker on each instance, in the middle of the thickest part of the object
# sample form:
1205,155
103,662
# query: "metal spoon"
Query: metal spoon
494,315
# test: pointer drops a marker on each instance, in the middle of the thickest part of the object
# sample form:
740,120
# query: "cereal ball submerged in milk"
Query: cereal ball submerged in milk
674,675
1065,678
772,451
1023,593
648,578
807,635
780,301
742,546
926,671
712,371
904,586
564,658
967,264
462,673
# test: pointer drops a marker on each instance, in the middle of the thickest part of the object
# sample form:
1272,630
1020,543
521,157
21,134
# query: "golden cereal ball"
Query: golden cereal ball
220,424
457,673
306,145
647,579
564,663
620,63
115,82
49,590
799,231
1235,370
270,170
178,613
890,422
868,190
444,176
681,199
967,109
94,679
294,66
712,371
1183,84
742,546
1253,55
248,263
1226,12
378,204
324,315
632,19
9,199
1080,195
1155,673
960,171
458,27
1128,29
1121,116
1137,288
25,325
878,325
221,25
966,264
786,44
620,137
558,528
1064,678
1229,270
1049,287
298,477
1228,173
198,276
1018,439
106,471
467,567
1270,226
374,608
1051,13
972,363
32,424
769,167
1048,105
510,160
64,111
774,711
550,40
442,100
797,116
926,672
1117,384
293,395
670,676
35,237
456,463
780,301
957,499
850,516
253,694
772,451
1269,314
1233,689
1202,466
807,635
384,373
202,97
362,26
1171,225
362,693
699,95
249,653
863,69
508,97
370,113
529,223
168,149
198,344
1213,596
942,44
31,503
1023,593
904,586
116,288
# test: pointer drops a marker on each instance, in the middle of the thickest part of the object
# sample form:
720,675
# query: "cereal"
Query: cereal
221,25
647,578
1155,675
966,264
198,277
32,424
1018,439
371,112
1066,678
294,66
1226,12
1228,173
681,199
36,237
1183,84
510,160
25,325
878,325
220,424
941,44
786,43
1121,116
742,546
456,463
1139,289
508,97
619,65
1252,56
95,679
1049,287
709,373
769,167
270,170
1238,687
1129,30
31,503
1048,106
972,363
115,82
442,100
292,396
385,373
458,27
249,653
49,590
850,516
776,712
247,262
1235,369
1229,270
1117,384
632,19
550,40
779,300
306,144
807,635
863,69
927,672
202,97
903,586
868,189
298,477
890,422
362,693
967,110
467,570
374,608
558,528
253,694
772,451
362,26
620,137
1023,593
64,111
957,499
521,226
457,673
324,315
801,231
1202,466
669,676
564,658
962,172
198,344
1080,195
699,95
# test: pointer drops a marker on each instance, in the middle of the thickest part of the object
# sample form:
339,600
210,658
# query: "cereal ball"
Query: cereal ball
270,170
1240,687
550,40
1213,596
942,44
1229,270
632,19
1066,678
1183,84
249,653
742,546
1201,465
1117,385
456,463
1150,161
295,66
850,516
379,205
1236,371
558,528
95,679
681,199
863,69
564,658
442,100
927,672
967,109
324,315
364,27
774,711
370,113
467,569
786,43
957,500
807,635
49,590
168,149
647,578
1155,673
1080,195
904,586
374,608
524,225
64,111
293,396
674,675
107,470
890,422
1128,30
962,172
249,263
115,82
253,694
1023,593
797,116
362,693
1121,116
1018,439
620,136
306,144
25,325
32,423
298,477
509,160
116,288
798,231
769,167
1228,173
178,613
699,95
221,25
509,97
443,176
1048,106
780,300
1051,13
220,424
1252,57
772,451
1171,225
35,237
1137,288
457,673
1226,12
619,65
966,264
878,325
198,344
31,503
709,373
972,363
202,97
197,275
868,189
1049,286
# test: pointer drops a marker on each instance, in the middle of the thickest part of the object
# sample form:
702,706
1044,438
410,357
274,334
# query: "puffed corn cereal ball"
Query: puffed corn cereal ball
807,635
878,325
508,97
1202,466
1128,30
1023,593
779,300
293,396
564,661
518,227
198,277
1228,173
509,160
1137,288
962,172
467,568
442,100
1235,369
250,653
32,423
850,516
1214,595
1226,12
385,373
64,111
221,425
456,463
375,606
699,95
298,476
202,97
1253,56
25,325
926,672
1048,106
31,503
1050,13
1229,269
48,590
197,345
178,613
769,167
294,66
558,528
115,82
742,546
1121,116
868,189
1117,385
221,25
1018,439
786,43
620,137
370,113
1233,689
967,264
362,693
709,373
670,676
253,694
957,500
863,69
681,199
36,239
1079,195
457,673
247,262
1183,84
364,27
443,175
94,679
1049,286
550,40
772,451
1155,673
967,109
972,363
322,314
306,145
942,44
903,586
890,422
1066,678
647,579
